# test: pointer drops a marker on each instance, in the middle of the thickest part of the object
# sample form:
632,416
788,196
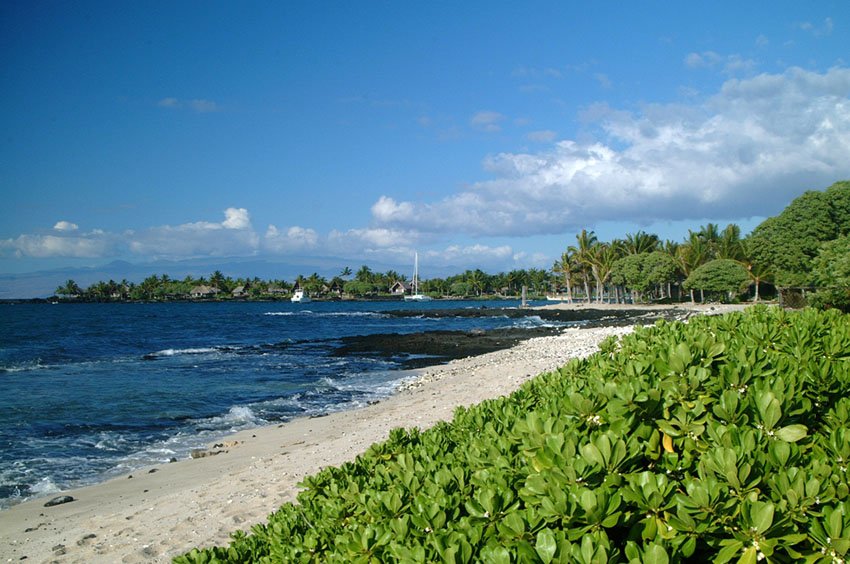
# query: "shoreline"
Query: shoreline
167,510
160,512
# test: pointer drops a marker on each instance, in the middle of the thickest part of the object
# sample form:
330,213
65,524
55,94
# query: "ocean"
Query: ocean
93,391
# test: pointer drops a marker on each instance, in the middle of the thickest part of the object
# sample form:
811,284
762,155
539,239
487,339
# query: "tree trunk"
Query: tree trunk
756,299
693,299
701,296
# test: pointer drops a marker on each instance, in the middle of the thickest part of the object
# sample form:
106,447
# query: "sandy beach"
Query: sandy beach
160,512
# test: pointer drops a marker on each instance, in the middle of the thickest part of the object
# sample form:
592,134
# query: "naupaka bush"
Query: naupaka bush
723,439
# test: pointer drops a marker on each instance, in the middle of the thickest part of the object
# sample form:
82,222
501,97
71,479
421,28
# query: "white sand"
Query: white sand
162,512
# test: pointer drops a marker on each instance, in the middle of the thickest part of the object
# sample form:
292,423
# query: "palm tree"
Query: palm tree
345,272
476,280
603,264
710,235
539,279
217,280
758,272
364,274
565,268
581,252
691,255
672,248
640,242
69,288
314,284
729,245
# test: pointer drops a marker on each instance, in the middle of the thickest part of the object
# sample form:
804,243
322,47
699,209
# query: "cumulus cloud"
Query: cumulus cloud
90,245
742,152
65,226
487,121
233,236
387,208
481,254
730,64
236,218
293,239
372,240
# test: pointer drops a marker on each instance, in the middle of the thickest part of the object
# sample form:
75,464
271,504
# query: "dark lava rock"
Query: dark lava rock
59,500
416,350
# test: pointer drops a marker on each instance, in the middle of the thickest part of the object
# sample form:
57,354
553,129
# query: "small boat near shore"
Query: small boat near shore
416,296
300,297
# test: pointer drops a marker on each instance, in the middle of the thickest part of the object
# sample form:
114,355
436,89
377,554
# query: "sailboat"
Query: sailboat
416,296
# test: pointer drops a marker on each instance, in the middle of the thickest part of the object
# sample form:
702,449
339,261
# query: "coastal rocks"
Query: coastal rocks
59,500
416,350
217,448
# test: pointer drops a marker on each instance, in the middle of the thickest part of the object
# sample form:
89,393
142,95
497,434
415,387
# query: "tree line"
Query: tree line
802,253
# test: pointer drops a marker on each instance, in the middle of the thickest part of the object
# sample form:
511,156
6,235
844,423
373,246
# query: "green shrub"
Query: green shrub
724,439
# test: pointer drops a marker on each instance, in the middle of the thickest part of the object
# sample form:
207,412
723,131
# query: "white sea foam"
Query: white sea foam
44,486
176,352
238,417
374,314
25,366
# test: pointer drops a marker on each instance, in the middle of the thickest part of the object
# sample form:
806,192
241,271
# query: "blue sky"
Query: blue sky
482,134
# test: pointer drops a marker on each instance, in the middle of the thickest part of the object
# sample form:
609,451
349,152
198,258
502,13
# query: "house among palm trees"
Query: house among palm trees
400,288
203,291
239,292
275,290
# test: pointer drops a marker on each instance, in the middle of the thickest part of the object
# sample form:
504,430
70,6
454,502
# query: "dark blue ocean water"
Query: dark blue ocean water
91,391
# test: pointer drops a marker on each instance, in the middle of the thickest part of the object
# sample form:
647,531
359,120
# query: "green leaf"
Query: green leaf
761,514
655,554
792,433
750,556
546,545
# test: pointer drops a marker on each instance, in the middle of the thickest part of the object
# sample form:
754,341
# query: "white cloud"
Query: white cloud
65,226
293,239
90,245
487,121
474,254
704,59
730,64
543,136
387,207
818,30
236,218
233,236
753,145
371,239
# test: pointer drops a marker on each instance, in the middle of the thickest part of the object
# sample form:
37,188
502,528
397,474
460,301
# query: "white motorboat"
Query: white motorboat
416,296
299,297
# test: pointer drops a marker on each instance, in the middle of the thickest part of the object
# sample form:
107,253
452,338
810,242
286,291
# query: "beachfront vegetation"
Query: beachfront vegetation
789,255
725,439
